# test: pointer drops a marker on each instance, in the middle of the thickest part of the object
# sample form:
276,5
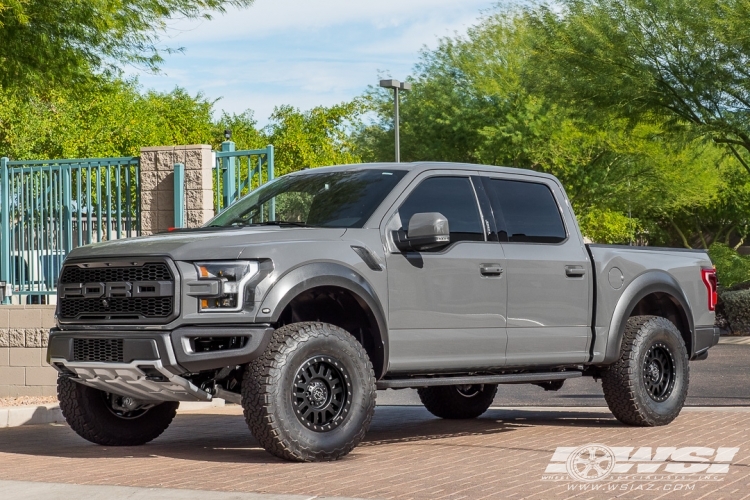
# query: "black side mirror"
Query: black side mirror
426,231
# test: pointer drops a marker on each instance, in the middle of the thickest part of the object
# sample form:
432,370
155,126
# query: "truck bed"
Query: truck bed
618,267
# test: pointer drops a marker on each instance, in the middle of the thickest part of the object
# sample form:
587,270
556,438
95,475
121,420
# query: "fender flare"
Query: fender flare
643,285
317,274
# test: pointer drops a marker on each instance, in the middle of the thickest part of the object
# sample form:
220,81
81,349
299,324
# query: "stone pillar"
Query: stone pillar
157,186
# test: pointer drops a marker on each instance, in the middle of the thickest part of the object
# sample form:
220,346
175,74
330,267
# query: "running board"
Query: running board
515,378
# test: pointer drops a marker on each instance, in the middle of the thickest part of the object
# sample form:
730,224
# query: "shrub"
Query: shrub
735,306
731,267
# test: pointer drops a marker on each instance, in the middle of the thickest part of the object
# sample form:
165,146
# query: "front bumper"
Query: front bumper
150,366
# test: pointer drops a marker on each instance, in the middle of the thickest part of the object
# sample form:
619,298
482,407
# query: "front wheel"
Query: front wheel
311,396
106,419
458,401
648,385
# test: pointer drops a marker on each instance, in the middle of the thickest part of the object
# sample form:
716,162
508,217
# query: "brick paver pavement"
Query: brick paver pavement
407,454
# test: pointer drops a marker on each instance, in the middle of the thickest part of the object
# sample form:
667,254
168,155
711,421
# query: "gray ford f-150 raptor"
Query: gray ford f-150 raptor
306,296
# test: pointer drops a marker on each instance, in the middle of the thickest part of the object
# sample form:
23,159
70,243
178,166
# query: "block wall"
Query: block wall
24,333
157,186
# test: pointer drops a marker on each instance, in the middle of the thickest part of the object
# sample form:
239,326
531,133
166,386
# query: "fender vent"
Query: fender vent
98,350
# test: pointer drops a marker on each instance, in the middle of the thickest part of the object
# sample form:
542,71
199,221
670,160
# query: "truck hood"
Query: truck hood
204,244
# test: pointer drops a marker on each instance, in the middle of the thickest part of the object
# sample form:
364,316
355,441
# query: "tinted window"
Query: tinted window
528,210
322,199
451,196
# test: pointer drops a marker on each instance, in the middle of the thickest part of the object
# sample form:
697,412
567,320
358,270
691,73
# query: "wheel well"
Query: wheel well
666,306
343,308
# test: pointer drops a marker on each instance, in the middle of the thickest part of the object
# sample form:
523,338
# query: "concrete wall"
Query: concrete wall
24,332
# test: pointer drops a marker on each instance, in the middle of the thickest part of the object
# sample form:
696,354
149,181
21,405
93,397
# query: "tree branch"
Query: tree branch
739,158
682,235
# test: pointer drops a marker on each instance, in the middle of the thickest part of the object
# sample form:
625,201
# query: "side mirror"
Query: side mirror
426,231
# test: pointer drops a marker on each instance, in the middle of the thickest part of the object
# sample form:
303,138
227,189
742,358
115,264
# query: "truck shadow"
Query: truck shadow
225,438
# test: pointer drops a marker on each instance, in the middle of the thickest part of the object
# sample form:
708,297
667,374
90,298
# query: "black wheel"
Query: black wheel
648,385
108,419
311,395
458,401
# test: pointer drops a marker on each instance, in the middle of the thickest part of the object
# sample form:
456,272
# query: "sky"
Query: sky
304,52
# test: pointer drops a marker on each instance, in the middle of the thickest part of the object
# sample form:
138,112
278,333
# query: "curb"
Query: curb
44,491
735,340
16,416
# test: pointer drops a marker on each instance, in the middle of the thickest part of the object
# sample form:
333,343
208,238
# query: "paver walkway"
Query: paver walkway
410,454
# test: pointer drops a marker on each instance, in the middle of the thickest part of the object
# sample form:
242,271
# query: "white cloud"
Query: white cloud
271,17
303,52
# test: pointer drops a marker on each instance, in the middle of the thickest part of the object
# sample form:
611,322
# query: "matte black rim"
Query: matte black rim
322,393
469,391
659,372
117,406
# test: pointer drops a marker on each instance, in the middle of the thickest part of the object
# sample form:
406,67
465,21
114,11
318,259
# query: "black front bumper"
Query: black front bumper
173,348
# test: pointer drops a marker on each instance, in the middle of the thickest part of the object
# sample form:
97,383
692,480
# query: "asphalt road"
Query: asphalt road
721,380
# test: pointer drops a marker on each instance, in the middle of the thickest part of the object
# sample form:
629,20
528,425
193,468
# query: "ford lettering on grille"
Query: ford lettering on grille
116,292
118,289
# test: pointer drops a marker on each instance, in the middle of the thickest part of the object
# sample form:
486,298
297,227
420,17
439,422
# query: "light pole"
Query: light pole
396,86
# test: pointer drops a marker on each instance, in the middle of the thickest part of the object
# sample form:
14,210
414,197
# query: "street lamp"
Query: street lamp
396,86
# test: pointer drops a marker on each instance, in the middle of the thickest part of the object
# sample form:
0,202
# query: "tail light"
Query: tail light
709,279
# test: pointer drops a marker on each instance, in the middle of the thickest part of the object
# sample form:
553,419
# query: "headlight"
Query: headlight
231,277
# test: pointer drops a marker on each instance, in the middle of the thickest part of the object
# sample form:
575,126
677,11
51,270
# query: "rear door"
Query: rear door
548,271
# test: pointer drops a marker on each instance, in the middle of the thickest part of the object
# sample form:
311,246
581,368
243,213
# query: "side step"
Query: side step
514,378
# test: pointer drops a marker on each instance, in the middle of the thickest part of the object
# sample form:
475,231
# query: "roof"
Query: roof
429,165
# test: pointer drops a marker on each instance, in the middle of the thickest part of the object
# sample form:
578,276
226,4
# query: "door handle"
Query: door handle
574,271
490,269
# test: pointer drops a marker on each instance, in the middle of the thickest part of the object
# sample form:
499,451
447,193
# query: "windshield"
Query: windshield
329,199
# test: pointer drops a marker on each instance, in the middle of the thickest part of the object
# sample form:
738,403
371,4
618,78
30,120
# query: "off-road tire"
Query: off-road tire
85,409
625,382
449,402
270,381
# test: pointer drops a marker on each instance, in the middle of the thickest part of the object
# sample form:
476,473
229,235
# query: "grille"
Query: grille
144,310
155,271
100,350
123,307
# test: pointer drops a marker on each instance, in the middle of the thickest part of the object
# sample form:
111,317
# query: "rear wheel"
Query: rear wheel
648,385
311,395
111,420
458,401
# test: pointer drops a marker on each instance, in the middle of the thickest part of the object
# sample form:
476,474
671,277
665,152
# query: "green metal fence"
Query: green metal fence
236,173
49,207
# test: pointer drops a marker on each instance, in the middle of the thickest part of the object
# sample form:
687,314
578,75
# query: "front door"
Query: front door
446,307
548,272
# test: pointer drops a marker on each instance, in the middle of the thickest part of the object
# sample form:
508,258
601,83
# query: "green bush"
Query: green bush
731,267
606,226
735,305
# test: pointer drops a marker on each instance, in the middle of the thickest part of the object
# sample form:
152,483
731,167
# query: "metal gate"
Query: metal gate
49,207
236,173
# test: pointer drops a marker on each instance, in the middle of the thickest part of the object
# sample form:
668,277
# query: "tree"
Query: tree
244,128
101,118
684,60
473,100
44,43
313,138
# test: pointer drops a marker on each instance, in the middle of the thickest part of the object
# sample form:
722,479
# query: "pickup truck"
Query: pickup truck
305,297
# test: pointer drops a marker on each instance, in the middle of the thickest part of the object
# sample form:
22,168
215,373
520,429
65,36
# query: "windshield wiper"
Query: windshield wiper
284,223
272,223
